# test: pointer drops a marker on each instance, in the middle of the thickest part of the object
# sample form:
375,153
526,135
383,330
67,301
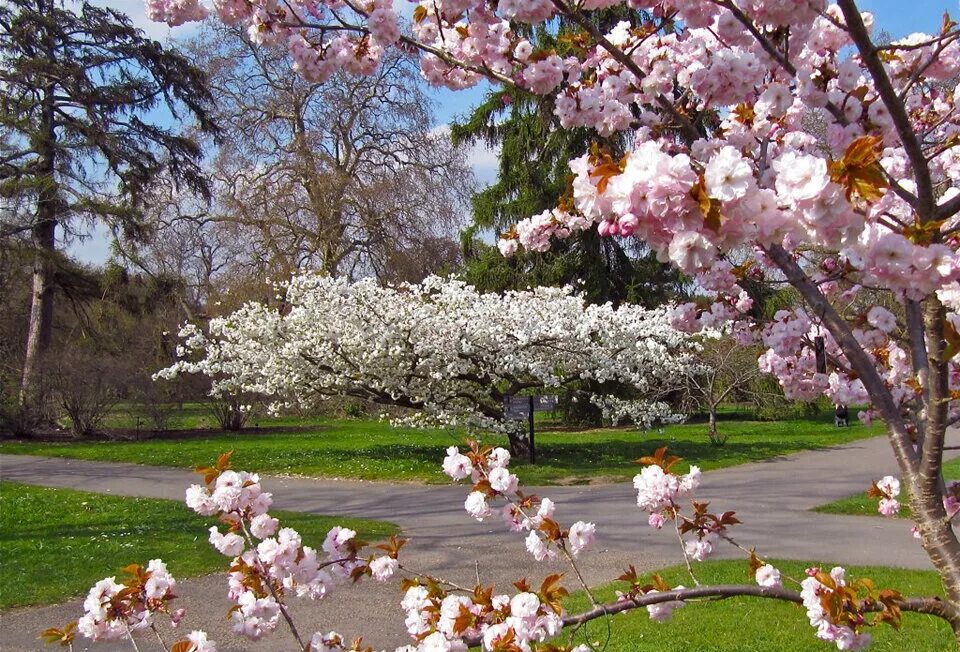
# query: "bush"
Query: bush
86,386
158,400
777,411
231,410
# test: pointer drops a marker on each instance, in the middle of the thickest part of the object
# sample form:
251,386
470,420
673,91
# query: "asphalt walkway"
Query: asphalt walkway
771,497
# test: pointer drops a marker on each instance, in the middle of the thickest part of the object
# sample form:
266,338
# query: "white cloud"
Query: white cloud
485,161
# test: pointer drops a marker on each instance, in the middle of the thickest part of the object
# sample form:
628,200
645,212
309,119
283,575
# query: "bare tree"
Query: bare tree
186,242
725,368
348,177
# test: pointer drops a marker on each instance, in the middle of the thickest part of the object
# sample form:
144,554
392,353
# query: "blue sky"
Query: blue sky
895,16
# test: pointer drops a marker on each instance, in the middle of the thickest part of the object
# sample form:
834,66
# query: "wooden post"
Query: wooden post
821,354
532,446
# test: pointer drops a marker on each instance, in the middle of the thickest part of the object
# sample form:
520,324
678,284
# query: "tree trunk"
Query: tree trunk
41,317
519,445
44,245
713,421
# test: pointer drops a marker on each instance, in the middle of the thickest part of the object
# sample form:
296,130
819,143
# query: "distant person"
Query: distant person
841,416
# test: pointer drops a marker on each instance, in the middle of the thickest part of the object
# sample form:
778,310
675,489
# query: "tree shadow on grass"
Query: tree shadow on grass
622,453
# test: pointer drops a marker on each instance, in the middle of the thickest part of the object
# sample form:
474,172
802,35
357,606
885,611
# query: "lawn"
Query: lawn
860,505
757,625
190,416
373,450
55,543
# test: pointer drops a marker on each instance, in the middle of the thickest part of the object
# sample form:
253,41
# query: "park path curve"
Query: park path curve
772,497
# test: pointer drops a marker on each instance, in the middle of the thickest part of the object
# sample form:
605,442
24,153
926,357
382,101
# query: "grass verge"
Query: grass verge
860,505
759,625
371,450
55,543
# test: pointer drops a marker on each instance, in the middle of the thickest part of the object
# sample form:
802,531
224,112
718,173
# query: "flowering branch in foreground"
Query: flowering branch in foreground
270,563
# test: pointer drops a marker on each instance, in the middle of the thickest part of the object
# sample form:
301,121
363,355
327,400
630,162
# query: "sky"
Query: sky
897,17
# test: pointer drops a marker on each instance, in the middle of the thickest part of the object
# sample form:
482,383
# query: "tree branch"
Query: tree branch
898,113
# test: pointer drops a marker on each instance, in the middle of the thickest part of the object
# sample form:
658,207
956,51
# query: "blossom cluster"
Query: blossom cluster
113,610
440,347
281,23
660,492
819,591
488,469
443,620
118,611
269,561
887,489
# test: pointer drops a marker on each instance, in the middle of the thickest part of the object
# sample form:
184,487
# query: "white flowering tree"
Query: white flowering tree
441,348
777,125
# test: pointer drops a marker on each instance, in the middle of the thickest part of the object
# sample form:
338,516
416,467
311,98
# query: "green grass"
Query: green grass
189,416
372,450
759,625
860,505
55,543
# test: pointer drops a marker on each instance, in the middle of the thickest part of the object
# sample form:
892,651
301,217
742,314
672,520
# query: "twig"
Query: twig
163,643
683,548
130,634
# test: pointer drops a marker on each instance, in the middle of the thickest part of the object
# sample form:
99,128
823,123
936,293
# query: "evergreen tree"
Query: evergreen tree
83,133
532,177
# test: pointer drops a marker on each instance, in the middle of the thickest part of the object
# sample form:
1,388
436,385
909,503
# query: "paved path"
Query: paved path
771,497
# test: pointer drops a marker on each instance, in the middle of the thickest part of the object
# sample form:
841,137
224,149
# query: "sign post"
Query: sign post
518,407
532,446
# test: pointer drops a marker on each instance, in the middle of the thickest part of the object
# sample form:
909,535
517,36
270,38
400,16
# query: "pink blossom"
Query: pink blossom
767,575
383,568
524,605
457,465
229,544
581,536
800,177
889,485
175,12
691,252
888,506
728,176
655,488
476,505
199,500
502,480
881,318
700,549
263,526
662,611
537,547
507,246
498,458
200,642
335,542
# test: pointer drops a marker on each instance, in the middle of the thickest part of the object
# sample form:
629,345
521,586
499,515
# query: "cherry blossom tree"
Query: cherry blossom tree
441,348
718,96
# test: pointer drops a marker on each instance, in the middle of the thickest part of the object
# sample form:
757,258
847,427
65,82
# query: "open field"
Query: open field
55,543
373,450
758,625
